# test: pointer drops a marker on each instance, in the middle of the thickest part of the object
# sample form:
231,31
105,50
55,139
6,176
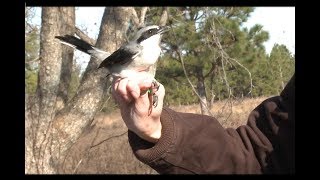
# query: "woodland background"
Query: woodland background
209,65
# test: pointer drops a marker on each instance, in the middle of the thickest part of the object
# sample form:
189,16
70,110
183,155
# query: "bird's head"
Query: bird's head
150,34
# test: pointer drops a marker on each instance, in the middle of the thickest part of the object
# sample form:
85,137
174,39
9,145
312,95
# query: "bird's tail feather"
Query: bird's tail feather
83,46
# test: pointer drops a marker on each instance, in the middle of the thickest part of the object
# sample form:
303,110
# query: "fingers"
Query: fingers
122,90
145,85
133,89
125,90
119,91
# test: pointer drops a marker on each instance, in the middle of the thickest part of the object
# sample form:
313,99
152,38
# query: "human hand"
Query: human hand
134,105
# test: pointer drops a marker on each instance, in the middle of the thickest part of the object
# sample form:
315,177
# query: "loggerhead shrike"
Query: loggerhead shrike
138,55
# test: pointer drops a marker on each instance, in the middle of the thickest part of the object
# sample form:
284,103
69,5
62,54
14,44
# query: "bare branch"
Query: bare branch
33,60
135,18
86,155
225,75
222,110
142,15
233,38
185,73
76,168
164,16
97,144
84,36
211,70
224,57
192,86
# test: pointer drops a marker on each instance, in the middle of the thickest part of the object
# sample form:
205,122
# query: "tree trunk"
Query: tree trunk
162,22
164,17
48,81
79,112
49,135
201,90
67,15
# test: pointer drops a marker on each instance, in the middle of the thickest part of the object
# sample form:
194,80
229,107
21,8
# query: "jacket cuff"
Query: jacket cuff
146,151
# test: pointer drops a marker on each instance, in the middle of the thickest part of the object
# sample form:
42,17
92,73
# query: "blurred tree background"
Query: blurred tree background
192,33
32,47
200,33
32,36
208,56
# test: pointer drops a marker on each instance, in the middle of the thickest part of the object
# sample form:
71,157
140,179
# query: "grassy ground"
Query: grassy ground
228,113
103,148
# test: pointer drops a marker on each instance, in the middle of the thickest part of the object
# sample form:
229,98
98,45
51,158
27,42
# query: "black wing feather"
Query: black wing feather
79,43
121,56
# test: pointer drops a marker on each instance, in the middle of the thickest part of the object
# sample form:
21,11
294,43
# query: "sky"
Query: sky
278,21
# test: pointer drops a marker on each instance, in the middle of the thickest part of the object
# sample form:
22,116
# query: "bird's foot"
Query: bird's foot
154,86
153,98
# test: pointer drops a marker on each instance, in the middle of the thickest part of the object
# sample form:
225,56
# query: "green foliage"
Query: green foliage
31,79
32,46
192,32
282,65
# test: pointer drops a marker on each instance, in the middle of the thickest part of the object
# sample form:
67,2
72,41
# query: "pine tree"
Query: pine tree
282,66
212,45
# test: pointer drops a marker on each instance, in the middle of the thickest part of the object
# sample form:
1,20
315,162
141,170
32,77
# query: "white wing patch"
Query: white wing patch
68,44
136,55
100,51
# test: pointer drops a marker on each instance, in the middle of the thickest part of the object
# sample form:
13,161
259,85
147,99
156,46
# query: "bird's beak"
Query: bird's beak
163,29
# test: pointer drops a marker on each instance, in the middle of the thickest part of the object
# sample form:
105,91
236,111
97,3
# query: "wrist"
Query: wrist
153,135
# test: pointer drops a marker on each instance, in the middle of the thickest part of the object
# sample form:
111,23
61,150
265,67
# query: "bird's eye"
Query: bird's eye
150,31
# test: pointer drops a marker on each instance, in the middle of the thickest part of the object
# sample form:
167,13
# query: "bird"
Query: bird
138,55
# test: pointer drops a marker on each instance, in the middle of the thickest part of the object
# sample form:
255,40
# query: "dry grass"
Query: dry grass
229,113
103,148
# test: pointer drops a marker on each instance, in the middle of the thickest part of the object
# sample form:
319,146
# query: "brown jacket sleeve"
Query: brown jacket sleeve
198,144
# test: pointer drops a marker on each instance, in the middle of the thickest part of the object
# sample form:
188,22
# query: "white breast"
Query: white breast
151,49
142,62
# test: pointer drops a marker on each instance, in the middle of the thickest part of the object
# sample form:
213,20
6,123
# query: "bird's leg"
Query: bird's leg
155,87
153,98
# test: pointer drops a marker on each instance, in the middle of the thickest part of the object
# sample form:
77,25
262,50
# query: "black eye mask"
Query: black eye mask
147,34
